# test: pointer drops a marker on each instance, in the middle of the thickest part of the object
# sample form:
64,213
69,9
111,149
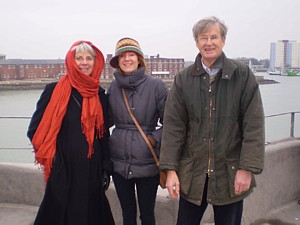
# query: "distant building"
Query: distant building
2,57
253,64
284,54
107,73
244,60
19,69
164,68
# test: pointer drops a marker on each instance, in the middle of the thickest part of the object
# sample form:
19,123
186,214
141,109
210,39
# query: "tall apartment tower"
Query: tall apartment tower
285,54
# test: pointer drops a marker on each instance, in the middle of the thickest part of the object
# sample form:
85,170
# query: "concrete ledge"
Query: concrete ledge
275,199
21,184
278,185
12,214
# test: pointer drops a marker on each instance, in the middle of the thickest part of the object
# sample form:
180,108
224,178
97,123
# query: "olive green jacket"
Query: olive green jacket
213,130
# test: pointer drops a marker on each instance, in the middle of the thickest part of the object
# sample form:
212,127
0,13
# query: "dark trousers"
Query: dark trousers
146,189
191,214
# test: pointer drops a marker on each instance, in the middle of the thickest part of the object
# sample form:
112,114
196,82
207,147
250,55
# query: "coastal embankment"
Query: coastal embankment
33,84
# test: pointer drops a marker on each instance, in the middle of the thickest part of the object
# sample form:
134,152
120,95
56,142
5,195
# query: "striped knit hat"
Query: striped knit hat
126,45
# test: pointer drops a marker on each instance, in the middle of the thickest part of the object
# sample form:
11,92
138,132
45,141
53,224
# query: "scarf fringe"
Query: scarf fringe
92,130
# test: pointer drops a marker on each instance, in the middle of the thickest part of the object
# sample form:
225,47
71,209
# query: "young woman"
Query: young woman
134,165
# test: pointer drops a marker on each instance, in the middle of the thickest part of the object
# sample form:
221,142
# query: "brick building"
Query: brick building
164,68
20,69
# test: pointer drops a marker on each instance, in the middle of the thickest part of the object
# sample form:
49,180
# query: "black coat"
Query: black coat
74,193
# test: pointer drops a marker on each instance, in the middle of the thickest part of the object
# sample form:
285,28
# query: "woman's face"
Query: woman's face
85,61
128,62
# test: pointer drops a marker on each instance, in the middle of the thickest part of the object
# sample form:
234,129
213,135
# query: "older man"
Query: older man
213,138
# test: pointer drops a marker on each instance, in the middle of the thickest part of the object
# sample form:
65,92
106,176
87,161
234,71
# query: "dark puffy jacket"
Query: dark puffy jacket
146,96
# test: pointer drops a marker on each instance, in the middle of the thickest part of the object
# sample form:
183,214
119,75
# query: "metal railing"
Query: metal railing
15,117
292,125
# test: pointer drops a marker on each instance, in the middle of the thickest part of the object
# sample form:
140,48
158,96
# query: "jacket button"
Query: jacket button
233,167
130,173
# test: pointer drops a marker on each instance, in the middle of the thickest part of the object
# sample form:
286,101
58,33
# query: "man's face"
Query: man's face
210,45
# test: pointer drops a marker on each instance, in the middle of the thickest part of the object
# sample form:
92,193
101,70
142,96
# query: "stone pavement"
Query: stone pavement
14,214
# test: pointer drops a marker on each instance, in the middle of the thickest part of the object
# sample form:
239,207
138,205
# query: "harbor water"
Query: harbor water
15,147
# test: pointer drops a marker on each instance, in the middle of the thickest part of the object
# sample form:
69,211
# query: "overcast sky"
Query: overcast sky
45,29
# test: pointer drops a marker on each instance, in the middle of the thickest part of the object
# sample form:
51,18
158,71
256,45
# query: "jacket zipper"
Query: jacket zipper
209,130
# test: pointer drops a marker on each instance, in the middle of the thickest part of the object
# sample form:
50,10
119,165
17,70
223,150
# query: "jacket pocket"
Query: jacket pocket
185,174
231,167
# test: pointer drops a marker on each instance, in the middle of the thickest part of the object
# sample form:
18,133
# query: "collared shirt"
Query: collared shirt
211,72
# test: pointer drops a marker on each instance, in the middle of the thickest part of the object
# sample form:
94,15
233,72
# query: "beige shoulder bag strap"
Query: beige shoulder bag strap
139,128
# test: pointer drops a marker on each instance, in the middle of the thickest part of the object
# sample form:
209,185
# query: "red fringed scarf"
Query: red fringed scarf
44,139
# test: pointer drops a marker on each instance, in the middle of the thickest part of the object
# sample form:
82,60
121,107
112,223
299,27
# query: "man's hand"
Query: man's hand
172,184
242,181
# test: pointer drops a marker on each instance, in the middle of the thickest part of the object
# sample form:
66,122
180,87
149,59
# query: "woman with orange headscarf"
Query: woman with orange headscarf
69,133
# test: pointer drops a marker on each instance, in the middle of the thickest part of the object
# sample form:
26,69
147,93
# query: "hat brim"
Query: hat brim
114,62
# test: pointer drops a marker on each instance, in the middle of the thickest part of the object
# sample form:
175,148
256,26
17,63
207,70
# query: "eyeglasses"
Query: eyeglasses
205,38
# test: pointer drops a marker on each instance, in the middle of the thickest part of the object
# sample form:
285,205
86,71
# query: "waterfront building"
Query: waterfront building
22,69
285,55
164,68
2,57
246,61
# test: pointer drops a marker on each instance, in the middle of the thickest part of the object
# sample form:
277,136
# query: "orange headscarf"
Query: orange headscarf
44,139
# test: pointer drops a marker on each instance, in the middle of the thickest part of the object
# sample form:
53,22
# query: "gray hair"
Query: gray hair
82,47
206,23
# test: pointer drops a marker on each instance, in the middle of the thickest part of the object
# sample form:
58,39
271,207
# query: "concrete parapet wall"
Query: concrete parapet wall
278,185
21,184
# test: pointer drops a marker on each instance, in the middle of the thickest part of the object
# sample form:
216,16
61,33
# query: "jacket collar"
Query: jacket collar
226,65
